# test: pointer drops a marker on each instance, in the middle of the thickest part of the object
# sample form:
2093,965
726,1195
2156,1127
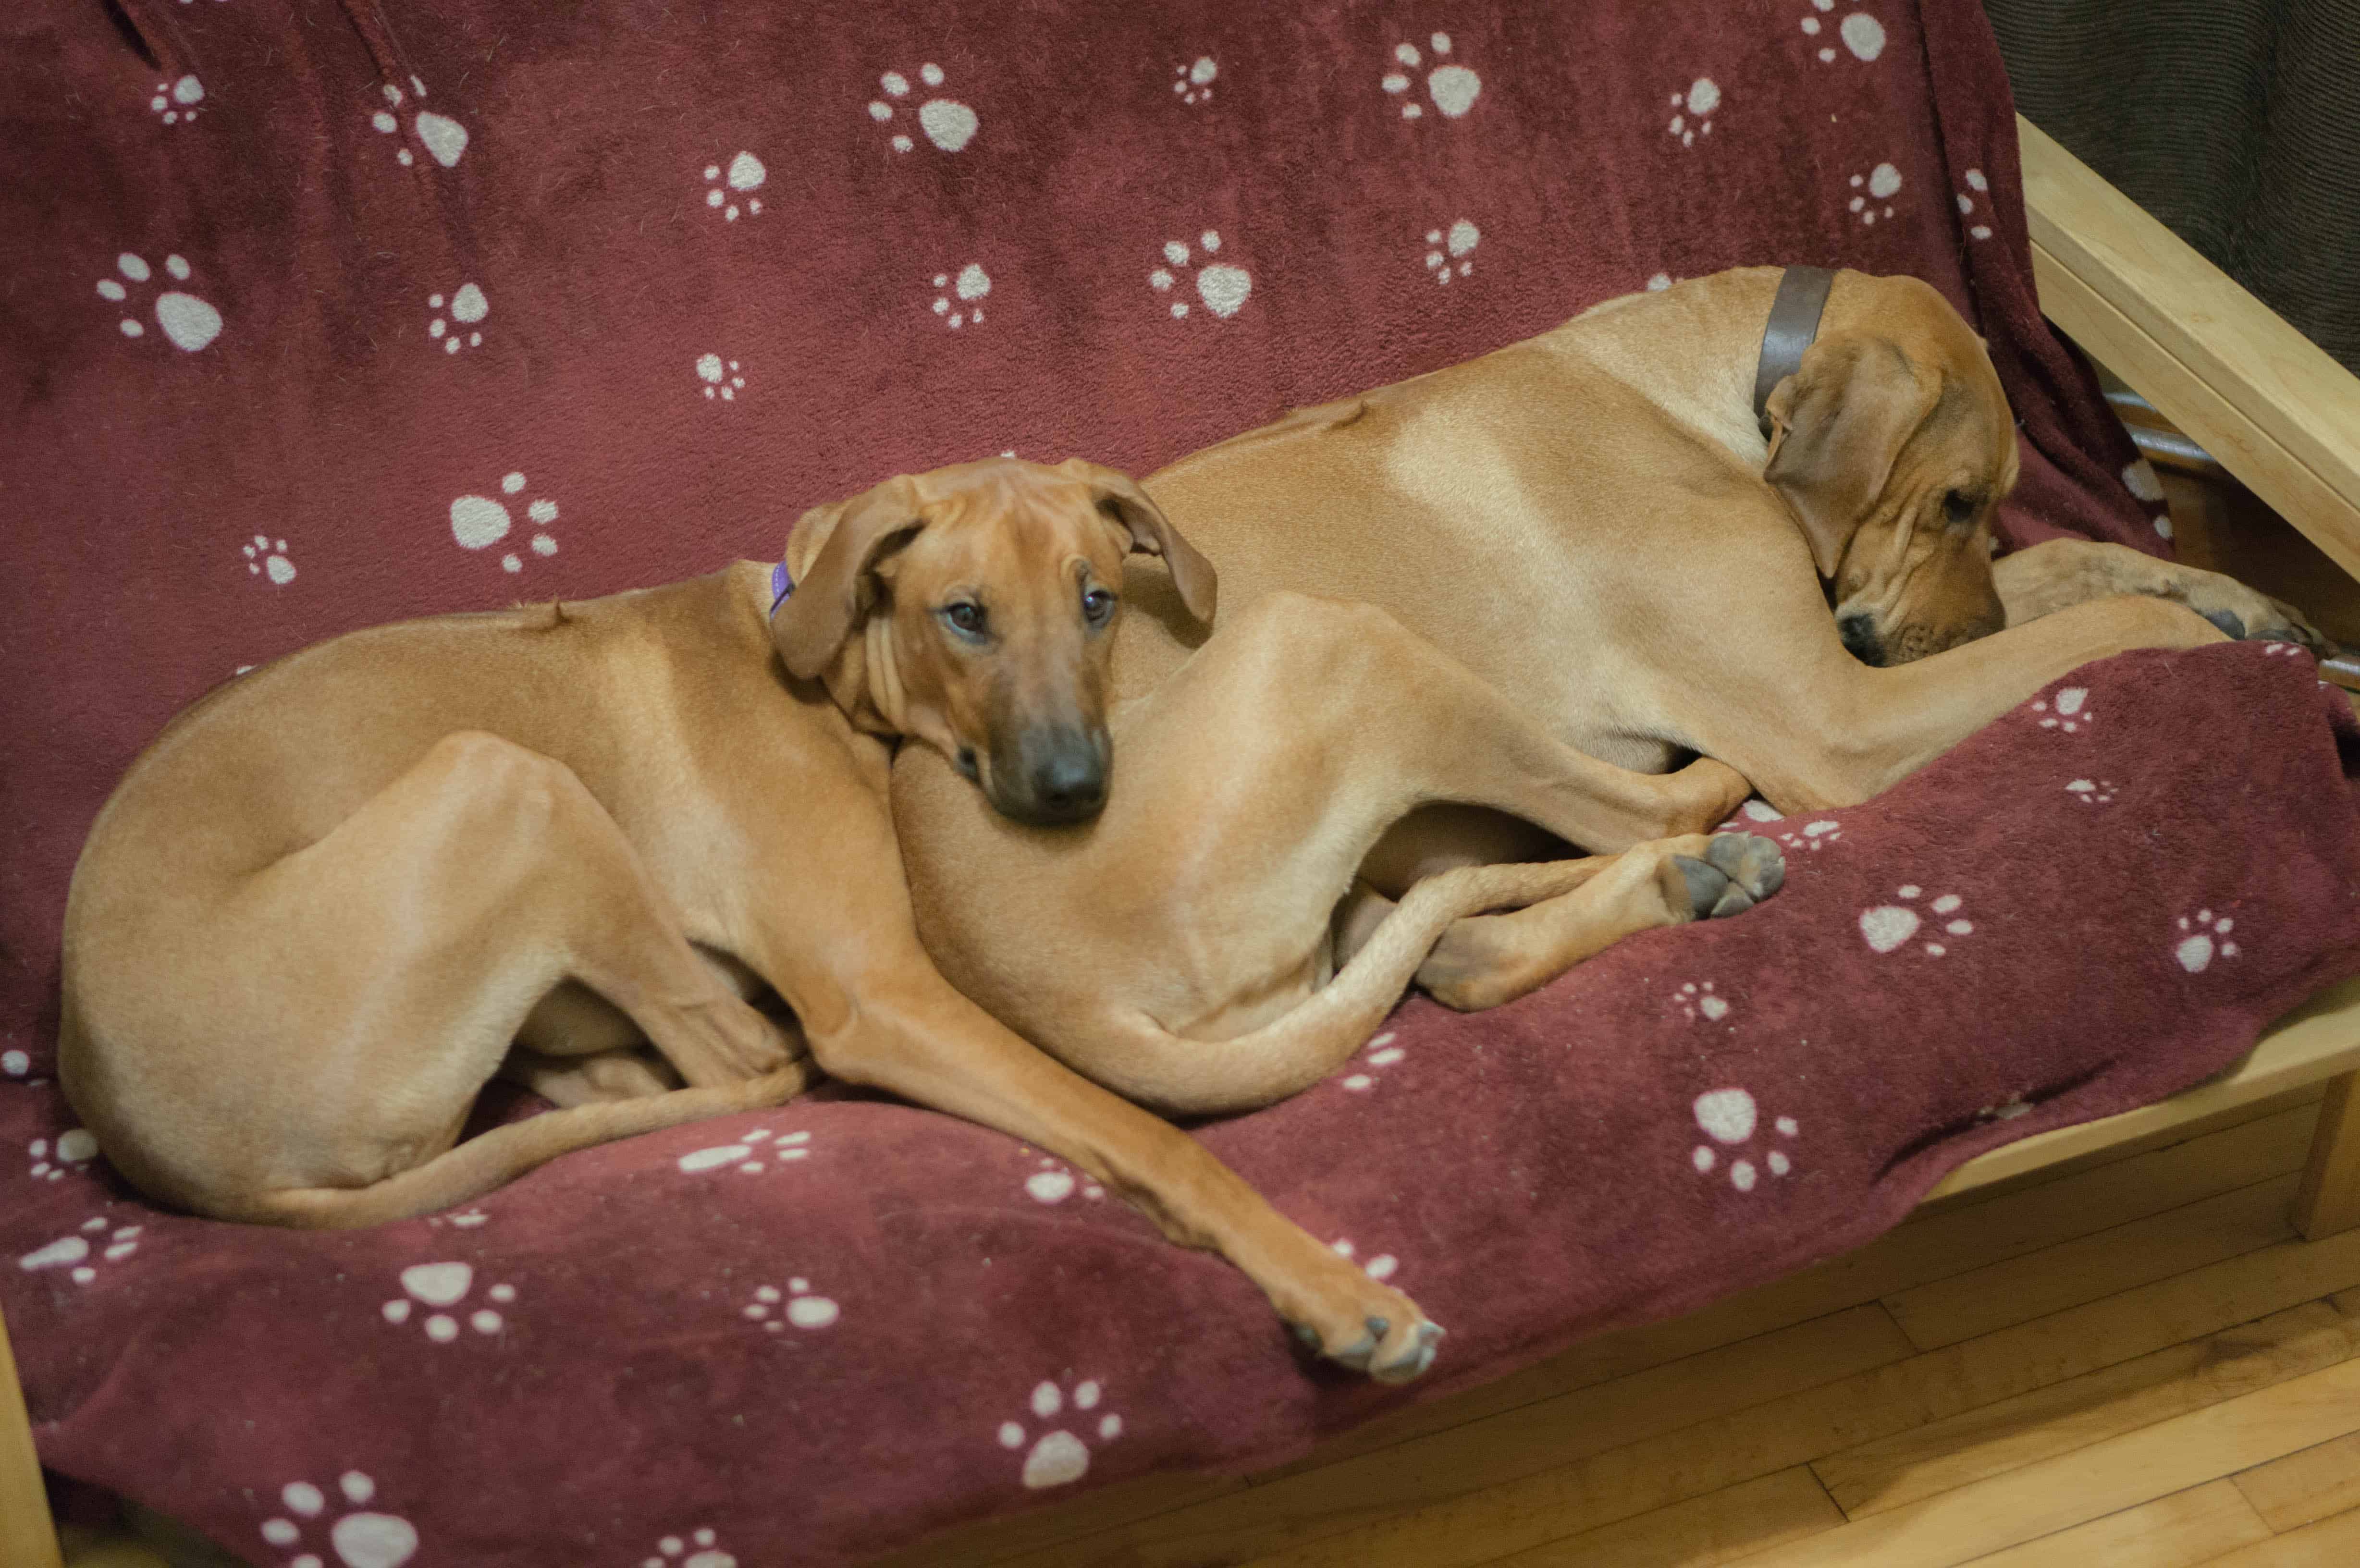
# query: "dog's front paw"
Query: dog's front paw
1360,1323
1736,872
2246,613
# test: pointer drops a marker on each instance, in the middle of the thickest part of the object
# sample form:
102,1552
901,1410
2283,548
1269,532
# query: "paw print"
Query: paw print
743,178
1195,83
1862,33
1813,835
1453,87
1382,1052
1700,101
2072,710
1054,1182
801,1309
446,1285
707,1555
478,521
1888,926
750,1151
468,306
2007,1110
467,1219
263,556
15,1063
177,101
190,323
74,1146
2283,649
1697,1000
719,379
2207,939
1729,1117
947,123
1058,1458
444,138
1981,186
2091,792
971,285
1223,288
1382,1266
359,1539
75,1250
1881,183
1447,250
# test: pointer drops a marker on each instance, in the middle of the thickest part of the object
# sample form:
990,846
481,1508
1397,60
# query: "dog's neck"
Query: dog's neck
1707,332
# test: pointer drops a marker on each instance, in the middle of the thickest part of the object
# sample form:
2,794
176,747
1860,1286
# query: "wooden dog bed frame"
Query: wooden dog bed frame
2271,407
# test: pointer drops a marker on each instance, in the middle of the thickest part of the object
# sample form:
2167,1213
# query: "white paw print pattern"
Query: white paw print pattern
478,522
2141,480
1700,1000
177,101
749,1153
1453,87
360,1539
1059,1457
468,306
1447,250
444,138
465,1219
2205,938
268,557
1223,288
1813,835
1194,82
2284,650
52,1162
1384,1266
442,1285
2091,792
1889,926
1730,1117
1055,1181
1659,282
721,377
1981,186
15,1063
1881,184
2007,1110
744,176
708,1553
947,123
189,323
73,1253
796,1306
1862,33
971,284
1382,1053
2069,710
1692,109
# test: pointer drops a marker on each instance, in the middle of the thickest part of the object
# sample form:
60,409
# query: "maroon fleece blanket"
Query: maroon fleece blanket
316,315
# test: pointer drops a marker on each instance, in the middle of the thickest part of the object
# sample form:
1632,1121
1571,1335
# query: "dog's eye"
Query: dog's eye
1958,506
1097,604
966,616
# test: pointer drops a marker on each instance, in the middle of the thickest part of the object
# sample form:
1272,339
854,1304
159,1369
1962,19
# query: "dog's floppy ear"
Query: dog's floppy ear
1838,426
1152,533
832,553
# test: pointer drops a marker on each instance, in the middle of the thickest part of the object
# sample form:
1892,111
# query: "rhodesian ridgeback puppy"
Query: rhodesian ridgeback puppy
341,893
1622,551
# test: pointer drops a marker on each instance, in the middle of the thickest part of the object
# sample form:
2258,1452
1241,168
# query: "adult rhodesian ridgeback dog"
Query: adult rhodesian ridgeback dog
1620,548
340,894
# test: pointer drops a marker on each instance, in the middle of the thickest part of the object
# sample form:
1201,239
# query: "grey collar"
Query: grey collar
1793,323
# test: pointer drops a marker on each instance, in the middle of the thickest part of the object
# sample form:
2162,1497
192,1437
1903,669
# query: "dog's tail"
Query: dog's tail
501,1155
1207,1077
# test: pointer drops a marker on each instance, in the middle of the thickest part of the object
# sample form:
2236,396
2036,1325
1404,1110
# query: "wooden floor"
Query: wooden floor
2126,1363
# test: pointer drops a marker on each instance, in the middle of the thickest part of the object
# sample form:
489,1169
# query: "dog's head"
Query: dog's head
1893,444
970,608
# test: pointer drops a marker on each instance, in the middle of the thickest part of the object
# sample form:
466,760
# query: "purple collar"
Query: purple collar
781,586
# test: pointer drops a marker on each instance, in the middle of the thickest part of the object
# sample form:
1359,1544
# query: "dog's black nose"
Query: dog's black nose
1069,783
1860,638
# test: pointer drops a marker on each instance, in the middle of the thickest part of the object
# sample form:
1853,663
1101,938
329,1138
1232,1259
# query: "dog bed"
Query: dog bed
326,315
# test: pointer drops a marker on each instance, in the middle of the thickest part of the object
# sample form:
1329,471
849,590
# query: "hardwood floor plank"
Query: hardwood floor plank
1720,1526
2177,1532
1515,1514
2291,1492
2331,1543
2056,1494
2055,1278
2082,1410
